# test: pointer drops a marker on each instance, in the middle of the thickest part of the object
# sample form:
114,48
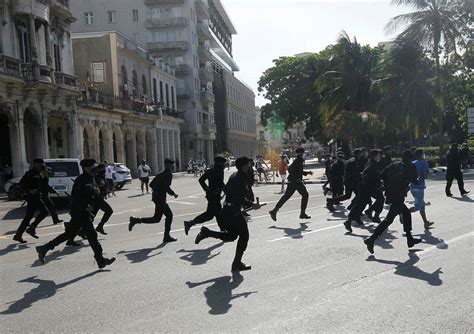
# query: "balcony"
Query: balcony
204,53
182,70
203,31
173,113
163,2
61,8
66,81
166,22
38,9
168,46
202,10
183,93
207,97
208,127
206,75
10,66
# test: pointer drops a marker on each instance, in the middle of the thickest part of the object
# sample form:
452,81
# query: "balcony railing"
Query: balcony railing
168,46
166,22
204,53
202,10
207,97
10,66
182,69
162,2
65,80
206,75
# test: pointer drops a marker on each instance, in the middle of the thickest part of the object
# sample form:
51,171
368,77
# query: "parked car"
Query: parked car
122,175
13,189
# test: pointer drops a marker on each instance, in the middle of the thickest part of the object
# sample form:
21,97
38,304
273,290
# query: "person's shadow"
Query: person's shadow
385,240
12,248
199,256
408,269
464,199
294,233
45,289
140,255
428,238
59,254
16,213
219,293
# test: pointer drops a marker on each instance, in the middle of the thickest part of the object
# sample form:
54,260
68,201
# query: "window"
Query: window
179,60
25,49
89,18
155,91
135,83
176,12
161,93
57,53
135,15
98,74
112,14
144,85
167,96
172,97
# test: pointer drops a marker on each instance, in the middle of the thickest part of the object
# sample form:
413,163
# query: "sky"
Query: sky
268,29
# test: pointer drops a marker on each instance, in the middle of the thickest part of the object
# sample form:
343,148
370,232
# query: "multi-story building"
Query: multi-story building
186,34
38,92
235,114
119,119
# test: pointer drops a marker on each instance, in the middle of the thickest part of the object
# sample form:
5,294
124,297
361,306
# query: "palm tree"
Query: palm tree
433,24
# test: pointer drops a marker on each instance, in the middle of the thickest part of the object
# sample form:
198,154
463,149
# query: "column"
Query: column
152,150
73,136
131,148
34,48
159,147
172,144
49,53
166,148
178,151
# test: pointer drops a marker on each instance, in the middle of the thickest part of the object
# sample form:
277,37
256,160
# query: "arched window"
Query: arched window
124,77
135,83
144,85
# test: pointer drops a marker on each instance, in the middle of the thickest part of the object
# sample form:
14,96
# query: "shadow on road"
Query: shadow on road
12,248
464,199
428,238
294,233
45,289
141,255
17,213
199,256
408,269
219,293
384,241
135,196
59,254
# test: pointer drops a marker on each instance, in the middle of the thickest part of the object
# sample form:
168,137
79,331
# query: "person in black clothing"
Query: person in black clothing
369,187
250,183
387,157
31,187
327,171
295,183
453,160
83,198
161,186
236,191
351,180
397,178
213,189
44,190
337,180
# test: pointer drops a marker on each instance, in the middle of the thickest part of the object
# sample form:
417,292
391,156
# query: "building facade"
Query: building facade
184,33
119,119
38,92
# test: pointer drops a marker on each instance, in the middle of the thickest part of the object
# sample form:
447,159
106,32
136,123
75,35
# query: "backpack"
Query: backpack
393,175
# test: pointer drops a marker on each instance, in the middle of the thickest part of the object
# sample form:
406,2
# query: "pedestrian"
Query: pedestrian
144,175
351,179
213,189
31,187
83,197
418,189
235,191
387,157
259,165
295,183
453,160
465,156
282,170
337,180
397,177
109,178
161,186
327,171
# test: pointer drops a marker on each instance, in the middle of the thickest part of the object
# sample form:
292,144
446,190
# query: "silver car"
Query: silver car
122,175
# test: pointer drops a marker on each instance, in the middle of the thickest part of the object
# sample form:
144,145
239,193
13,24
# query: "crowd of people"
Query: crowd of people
371,178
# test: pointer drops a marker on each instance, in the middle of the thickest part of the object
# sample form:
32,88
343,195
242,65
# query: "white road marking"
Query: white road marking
309,232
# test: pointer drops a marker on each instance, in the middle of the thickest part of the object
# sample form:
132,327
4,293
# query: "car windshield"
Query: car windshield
120,167
63,169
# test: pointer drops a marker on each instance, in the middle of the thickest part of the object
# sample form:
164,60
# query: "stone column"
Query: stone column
34,48
49,53
166,147
73,136
172,145
131,148
159,146
178,150
152,150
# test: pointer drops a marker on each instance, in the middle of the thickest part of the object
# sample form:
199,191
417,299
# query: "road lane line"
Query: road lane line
306,233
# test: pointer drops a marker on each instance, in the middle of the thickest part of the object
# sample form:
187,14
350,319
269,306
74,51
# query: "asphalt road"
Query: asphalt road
307,276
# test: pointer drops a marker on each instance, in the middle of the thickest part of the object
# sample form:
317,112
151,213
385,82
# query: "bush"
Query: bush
433,161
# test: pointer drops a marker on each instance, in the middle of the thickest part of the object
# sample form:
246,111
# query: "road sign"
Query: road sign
470,120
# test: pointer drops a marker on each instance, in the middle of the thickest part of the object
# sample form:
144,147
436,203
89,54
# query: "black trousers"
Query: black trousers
398,207
106,208
33,204
236,227
337,187
51,208
349,190
214,209
450,176
290,190
363,198
160,210
79,222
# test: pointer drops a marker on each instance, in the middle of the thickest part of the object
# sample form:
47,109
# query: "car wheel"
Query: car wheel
14,193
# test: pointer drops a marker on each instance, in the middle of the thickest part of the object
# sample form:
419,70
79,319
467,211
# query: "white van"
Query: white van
62,176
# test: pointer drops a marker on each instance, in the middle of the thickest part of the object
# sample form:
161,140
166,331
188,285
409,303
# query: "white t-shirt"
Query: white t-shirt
109,172
144,171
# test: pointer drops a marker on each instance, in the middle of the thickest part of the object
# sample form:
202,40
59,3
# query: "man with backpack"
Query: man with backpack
397,178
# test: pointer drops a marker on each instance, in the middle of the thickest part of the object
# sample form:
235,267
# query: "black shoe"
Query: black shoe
133,221
347,225
245,214
273,214
19,239
41,250
465,192
203,234
100,229
330,208
187,226
72,243
168,238
102,262
31,231
239,266
350,207
376,219
412,242
449,194
304,216
369,213
59,221
359,221
369,242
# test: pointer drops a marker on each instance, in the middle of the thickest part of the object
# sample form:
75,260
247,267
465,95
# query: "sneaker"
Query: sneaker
31,231
41,253
347,225
273,214
203,234
369,242
133,221
187,226
240,267
19,239
168,238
